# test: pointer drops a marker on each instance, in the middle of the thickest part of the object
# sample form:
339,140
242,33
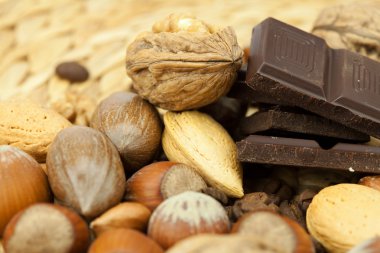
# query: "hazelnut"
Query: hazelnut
371,181
125,215
46,228
124,241
371,245
186,214
85,171
132,124
22,183
184,63
283,233
216,243
160,180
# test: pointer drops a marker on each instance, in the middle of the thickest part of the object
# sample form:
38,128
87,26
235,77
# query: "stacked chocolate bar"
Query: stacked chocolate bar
317,106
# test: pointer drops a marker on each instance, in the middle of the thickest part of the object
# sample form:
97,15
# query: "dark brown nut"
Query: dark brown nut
72,71
46,228
255,201
85,171
292,210
274,186
304,199
132,124
355,27
180,67
216,194
283,233
371,181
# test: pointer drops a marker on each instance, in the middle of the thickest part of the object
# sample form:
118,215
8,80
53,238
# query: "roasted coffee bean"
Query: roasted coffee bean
72,71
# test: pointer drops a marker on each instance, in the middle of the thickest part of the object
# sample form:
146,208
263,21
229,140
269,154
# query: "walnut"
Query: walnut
184,63
355,27
182,22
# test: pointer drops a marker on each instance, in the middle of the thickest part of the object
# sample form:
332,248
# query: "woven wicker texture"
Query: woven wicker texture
36,35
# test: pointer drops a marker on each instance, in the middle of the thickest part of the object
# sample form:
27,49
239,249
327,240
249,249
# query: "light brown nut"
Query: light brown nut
183,70
29,127
46,228
22,183
215,243
186,214
85,171
355,27
195,139
131,215
124,241
344,215
371,181
371,245
279,231
158,181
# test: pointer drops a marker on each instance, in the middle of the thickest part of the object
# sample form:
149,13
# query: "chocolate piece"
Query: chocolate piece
292,67
227,111
72,71
282,123
307,153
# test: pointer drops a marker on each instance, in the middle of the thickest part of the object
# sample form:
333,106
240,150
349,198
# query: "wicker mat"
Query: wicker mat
36,35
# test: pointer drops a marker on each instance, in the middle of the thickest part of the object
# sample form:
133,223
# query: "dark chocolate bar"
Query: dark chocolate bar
288,66
281,122
307,153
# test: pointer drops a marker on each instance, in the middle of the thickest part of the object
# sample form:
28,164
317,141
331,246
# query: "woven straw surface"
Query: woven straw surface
36,35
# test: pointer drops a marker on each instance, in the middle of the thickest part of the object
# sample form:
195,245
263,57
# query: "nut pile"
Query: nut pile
142,179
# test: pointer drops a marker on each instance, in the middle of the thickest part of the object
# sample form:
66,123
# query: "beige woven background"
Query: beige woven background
36,35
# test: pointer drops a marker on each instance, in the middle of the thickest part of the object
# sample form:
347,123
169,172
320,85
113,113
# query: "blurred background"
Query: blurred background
36,35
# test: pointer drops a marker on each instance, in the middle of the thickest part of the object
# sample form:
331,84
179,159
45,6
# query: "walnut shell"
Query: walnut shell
355,27
183,70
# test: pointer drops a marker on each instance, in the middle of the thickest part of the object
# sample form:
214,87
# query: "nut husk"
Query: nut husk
183,69
195,139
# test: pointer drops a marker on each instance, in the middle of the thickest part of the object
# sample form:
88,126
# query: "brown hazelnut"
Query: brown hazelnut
22,183
371,181
186,214
158,181
280,231
371,245
124,241
85,171
46,228
131,215
132,124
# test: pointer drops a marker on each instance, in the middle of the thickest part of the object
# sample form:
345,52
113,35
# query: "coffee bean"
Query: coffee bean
72,71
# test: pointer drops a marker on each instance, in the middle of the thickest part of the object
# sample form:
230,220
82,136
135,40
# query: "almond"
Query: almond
195,139
29,127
